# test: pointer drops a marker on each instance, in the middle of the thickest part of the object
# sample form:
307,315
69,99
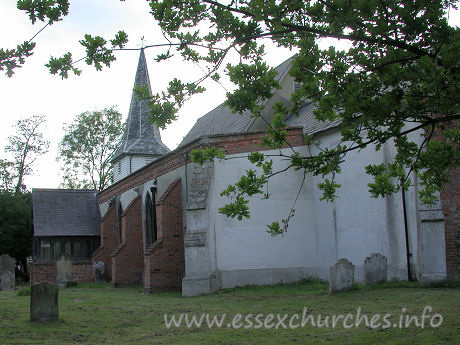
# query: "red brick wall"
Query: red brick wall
82,272
42,272
46,272
450,199
128,258
109,241
164,262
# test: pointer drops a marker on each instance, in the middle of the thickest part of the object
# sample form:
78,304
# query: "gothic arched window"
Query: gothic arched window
150,220
119,212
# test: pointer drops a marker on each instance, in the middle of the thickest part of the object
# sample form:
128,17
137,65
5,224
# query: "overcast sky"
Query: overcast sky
32,90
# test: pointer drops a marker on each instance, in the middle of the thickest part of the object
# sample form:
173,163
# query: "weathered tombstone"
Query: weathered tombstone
7,273
7,281
44,302
375,269
64,276
341,276
99,269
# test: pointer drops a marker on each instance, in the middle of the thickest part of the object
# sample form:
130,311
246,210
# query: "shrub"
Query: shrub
24,291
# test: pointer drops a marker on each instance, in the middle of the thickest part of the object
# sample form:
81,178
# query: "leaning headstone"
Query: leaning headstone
341,276
64,272
375,269
7,273
99,269
44,302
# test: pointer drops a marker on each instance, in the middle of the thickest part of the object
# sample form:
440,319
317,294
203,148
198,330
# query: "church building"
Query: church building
160,225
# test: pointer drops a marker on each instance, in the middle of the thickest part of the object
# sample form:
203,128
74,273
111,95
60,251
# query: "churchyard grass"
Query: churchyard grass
98,314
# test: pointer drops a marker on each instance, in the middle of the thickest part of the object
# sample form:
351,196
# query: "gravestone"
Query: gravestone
64,276
99,269
7,273
375,269
7,279
44,302
341,276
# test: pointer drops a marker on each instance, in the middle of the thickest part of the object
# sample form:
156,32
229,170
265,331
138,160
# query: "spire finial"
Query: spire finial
142,44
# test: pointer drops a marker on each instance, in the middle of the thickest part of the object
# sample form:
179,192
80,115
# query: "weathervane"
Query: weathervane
142,44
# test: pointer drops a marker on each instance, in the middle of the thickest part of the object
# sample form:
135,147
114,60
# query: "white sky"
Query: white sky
32,90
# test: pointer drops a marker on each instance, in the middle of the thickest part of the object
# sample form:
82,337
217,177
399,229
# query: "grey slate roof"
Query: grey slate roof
141,136
65,212
308,121
218,121
221,120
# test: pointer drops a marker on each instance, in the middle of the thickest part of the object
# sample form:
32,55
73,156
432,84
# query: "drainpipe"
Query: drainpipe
406,232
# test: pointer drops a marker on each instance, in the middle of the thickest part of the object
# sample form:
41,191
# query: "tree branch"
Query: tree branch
326,33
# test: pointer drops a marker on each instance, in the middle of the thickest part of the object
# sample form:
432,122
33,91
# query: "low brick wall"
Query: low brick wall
42,272
82,271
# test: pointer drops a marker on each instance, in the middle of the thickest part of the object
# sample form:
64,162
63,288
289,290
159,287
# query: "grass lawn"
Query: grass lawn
95,314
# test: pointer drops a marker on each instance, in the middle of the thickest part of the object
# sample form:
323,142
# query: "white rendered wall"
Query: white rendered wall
354,226
245,252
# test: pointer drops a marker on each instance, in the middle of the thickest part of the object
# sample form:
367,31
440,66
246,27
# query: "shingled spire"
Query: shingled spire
141,141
